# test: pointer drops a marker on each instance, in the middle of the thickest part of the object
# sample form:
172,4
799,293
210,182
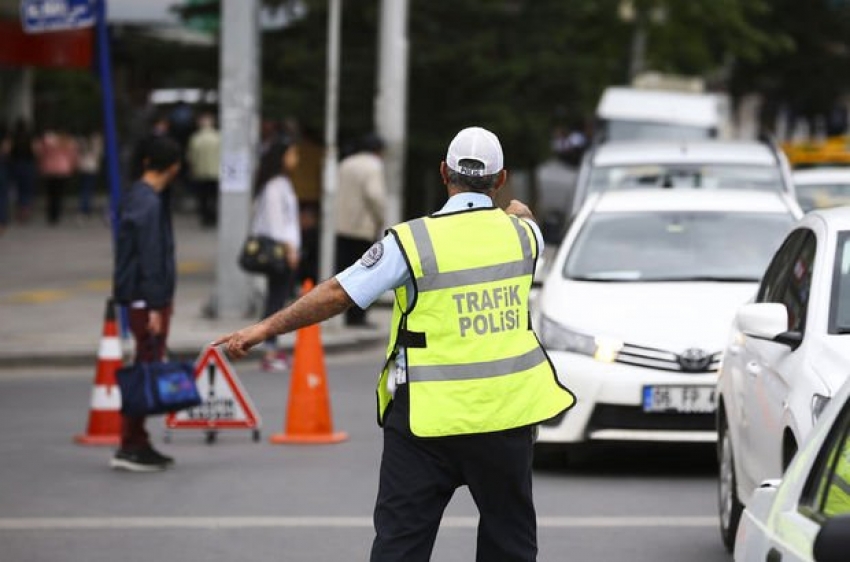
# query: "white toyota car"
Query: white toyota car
636,307
787,355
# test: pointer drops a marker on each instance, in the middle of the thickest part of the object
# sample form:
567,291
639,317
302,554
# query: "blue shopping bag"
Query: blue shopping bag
157,387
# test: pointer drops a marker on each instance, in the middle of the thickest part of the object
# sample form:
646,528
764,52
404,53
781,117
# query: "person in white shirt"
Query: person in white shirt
203,157
359,209
276,216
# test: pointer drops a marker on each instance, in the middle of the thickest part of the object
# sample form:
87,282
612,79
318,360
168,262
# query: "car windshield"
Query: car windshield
821,196
714,176
676,246
617,129
840,309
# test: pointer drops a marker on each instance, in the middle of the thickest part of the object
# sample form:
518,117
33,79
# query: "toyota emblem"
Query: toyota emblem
694,360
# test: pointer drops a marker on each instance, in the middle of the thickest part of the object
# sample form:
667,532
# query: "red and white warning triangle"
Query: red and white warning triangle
225,404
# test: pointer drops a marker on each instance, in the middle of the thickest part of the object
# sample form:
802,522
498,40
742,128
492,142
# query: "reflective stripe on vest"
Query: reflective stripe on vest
482,370
433,279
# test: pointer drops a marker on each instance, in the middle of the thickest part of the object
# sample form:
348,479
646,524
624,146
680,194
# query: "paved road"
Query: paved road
239,500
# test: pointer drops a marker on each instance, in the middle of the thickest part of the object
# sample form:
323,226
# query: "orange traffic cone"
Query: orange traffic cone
308,418
105,415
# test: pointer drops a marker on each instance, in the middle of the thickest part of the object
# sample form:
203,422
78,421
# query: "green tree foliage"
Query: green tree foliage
810,76
521,67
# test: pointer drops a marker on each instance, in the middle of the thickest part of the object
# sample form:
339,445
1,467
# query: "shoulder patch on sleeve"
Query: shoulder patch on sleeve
373,255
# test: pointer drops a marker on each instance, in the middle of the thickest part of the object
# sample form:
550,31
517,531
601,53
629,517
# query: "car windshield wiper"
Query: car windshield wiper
601,279
842,330
710,278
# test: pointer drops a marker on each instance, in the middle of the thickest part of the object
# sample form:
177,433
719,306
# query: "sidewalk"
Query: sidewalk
54,282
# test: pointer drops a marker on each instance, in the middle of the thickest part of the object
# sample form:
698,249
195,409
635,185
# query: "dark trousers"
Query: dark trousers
207,194
88,181
278,291
134,436
55,188
23,174
348,251
419,476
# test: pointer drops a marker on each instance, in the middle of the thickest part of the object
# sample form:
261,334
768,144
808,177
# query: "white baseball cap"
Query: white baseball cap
475,143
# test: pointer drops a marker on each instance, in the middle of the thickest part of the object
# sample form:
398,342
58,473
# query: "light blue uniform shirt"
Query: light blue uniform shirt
387,270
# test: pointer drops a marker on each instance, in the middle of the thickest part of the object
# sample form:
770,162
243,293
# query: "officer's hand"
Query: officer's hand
239,343
519,209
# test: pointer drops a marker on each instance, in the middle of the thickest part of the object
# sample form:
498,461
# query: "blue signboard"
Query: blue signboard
54,15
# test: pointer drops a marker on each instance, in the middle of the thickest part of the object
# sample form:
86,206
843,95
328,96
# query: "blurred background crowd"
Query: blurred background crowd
543,65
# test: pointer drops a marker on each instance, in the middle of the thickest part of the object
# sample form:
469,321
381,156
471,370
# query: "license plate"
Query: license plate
680,399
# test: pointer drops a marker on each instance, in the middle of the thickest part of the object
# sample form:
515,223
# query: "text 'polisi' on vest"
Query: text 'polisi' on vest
488,311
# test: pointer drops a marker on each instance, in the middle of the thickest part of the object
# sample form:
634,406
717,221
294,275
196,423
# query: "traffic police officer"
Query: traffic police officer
465,378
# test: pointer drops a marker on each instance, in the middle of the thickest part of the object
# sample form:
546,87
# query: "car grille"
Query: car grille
608,416
689,361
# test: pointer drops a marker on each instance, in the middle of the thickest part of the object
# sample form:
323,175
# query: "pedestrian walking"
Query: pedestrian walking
144,280
465,378
22,168
276,216
360,207
90,147
203,156
56,152
307,181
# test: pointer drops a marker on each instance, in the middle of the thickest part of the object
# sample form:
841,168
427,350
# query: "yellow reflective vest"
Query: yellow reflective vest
474,365
838,492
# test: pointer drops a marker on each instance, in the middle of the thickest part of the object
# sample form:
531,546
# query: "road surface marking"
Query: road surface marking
104,523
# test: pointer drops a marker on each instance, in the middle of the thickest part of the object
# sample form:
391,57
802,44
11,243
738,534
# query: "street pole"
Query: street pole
391,100
110,134
239,108
329,172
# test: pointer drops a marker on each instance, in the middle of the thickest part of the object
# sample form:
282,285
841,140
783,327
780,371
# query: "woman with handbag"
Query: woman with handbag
276,218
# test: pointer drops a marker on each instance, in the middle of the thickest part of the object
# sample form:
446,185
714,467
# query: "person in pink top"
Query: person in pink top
56,151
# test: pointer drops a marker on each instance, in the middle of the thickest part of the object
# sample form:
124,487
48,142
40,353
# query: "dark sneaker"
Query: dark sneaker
165,459
137,461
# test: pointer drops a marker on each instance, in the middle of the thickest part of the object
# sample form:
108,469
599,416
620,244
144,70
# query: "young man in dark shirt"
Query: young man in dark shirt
144,281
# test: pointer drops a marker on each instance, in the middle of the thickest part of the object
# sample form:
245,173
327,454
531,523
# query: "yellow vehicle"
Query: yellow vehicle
832,151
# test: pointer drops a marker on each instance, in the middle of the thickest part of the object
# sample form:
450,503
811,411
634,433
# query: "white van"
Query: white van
627,113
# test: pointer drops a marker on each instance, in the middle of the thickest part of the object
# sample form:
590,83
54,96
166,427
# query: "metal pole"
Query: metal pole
329,172
391,100
238,92
110,135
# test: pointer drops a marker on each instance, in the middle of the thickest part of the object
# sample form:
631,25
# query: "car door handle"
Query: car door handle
753,368
774,555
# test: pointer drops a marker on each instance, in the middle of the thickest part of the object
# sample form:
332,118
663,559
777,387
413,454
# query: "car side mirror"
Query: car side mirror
833,541
763,320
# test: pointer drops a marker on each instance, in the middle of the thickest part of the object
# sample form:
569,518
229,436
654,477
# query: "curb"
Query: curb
180,352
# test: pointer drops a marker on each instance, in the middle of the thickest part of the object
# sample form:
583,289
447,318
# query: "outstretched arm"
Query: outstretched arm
325,301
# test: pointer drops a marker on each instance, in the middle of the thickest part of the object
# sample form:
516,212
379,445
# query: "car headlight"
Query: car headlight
819,402
557,337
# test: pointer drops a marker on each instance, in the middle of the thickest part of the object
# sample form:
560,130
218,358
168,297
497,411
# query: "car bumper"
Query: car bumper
609,404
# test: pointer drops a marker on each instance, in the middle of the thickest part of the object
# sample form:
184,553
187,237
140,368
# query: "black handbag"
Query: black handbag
261,254
157,387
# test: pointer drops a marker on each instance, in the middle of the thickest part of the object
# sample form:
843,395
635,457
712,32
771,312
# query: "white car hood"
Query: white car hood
831,360
668,316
